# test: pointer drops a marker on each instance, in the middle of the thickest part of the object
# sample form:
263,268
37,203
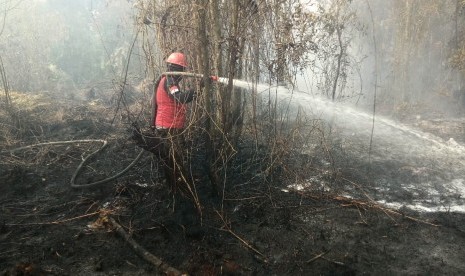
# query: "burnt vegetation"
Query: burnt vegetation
276,188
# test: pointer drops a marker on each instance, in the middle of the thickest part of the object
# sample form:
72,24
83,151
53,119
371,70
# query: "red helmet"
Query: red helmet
178,59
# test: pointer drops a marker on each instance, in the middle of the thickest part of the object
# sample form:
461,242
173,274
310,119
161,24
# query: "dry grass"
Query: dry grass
40,117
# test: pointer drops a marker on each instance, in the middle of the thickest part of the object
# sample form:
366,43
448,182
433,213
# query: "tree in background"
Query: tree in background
246,39
419,55
59,46
457,55
7,7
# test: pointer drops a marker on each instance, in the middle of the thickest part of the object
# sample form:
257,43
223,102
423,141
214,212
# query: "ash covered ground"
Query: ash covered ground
321,211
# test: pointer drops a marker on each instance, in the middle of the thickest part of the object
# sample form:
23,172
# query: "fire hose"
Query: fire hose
189,74
76,173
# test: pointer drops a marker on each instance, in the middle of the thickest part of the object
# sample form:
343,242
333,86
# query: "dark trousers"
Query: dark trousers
169,147
171,155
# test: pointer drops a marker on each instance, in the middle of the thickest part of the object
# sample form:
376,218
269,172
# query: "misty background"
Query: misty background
409,52
67,46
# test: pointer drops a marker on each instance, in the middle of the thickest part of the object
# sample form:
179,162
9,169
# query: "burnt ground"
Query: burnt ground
261,225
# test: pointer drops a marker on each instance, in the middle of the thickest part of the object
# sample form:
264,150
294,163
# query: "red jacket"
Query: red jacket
171,104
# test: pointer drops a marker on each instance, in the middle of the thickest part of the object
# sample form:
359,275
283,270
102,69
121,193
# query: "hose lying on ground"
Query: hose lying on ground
103,181
56,143
76,173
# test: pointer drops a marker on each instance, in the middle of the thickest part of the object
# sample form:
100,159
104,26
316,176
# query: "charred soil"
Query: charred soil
257,225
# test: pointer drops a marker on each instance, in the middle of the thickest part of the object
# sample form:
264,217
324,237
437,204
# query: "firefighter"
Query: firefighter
168,119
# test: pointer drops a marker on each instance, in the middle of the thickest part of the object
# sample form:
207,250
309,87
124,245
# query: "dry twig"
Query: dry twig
373,205
157,262
227,228
317,257
54,222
